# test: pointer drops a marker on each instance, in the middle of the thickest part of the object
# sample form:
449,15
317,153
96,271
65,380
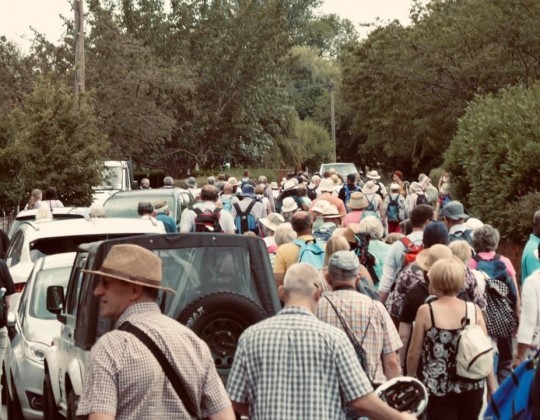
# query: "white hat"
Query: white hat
289,205
319,205
290,184
327,185
373,175
330,211
370,188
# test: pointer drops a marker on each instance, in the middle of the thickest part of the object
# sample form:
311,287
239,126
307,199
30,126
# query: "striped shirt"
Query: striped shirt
363,315
294,366
124,378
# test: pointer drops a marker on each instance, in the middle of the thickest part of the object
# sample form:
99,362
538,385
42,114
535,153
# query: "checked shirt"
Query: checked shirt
125,379
293,366
356,308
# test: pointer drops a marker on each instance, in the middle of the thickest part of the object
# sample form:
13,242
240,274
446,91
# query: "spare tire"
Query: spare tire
219,319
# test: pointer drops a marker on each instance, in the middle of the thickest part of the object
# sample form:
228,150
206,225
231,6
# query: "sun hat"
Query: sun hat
427,257
133,264
373,175
358,201
343,265
349,232
327,185
248,190
454,210
274,185
191,182
330,211
289,205
233,181
435,233
319,205
473,223
272,221
290,184
370,188
394,186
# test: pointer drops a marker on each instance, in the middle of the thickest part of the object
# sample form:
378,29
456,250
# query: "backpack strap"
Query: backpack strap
238,209
198,211
216,211
406,242
431,315
250,206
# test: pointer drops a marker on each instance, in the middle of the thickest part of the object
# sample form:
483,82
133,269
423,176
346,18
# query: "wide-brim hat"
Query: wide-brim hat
349,232
373,175
454,210
290,184
330,212
233,181
370,188
272,221
327,185
358,201
427,257
319,205
133,264
274,185
289,205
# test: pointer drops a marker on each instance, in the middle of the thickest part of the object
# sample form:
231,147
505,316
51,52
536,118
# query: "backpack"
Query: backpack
474,356
501,320
244,220
348,192
207,221
227,205
411,251
370,210
324,233
514,397
310,253
365,257
311,193
392,211
461,235
496,269
421,199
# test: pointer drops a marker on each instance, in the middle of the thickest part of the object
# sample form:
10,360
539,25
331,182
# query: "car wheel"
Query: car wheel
14,410
50,411
219,319
72,403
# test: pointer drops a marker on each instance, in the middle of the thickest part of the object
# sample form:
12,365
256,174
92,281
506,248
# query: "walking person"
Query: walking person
35,200
124,379
50,198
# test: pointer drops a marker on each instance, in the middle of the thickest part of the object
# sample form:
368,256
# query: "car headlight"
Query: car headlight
35,351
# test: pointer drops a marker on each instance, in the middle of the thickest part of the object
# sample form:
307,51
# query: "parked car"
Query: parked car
117,175
58,213
342,169
34,328
33,240
223,284
124,203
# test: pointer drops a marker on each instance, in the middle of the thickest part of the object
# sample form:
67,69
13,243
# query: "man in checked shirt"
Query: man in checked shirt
294,366
124,379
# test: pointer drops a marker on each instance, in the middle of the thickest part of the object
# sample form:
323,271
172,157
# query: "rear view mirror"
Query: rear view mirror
55,299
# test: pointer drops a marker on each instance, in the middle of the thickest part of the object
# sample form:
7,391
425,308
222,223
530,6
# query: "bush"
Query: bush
519,216
493,159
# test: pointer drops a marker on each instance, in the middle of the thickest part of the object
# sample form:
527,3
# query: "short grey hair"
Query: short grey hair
372,227
284,234
301,279
211,180
168,180
485,239
262,179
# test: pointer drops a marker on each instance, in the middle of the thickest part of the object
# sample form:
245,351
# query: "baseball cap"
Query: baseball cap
343,265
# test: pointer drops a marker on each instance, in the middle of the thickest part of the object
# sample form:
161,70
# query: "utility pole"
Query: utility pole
333,117
79,50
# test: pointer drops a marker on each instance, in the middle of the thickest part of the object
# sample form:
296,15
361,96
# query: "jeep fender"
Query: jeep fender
75,377
51,368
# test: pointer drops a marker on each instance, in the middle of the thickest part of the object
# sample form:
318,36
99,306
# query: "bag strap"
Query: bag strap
238,209
197,211
250,207
167,367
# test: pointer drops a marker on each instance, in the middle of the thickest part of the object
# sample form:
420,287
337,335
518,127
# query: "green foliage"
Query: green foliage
313,143
50,142
493,159
518,216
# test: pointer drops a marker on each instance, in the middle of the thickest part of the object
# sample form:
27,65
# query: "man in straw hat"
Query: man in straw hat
124,379
327,188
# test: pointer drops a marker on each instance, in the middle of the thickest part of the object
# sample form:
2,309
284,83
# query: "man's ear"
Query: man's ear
136,291
281,293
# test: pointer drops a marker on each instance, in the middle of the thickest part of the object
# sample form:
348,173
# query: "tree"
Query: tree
51,143
494,156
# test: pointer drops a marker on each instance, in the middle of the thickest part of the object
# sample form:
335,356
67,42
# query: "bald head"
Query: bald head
302,223
227,188
300,281
209,193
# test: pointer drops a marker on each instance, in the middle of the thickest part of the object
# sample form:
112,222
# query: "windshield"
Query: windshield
46,278
126,206
112,178
342,169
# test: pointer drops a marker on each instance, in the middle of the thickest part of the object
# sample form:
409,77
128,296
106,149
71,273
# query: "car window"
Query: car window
44,279
196,272
75,285
14,252
126,205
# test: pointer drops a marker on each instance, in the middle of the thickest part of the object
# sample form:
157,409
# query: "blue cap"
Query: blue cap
248,190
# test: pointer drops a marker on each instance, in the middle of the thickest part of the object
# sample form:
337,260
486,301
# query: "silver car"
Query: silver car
34,328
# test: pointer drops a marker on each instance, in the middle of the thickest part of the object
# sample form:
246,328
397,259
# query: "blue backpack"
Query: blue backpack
244,220
324,233
392,211
310,253
513,399
496,269
227,205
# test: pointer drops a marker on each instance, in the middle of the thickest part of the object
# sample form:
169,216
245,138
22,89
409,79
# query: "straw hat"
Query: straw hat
358,201
330,211
272,221
274,185
327,185
133,264
427,257
349,232
319,205
370,188
289,205
373,175
290,184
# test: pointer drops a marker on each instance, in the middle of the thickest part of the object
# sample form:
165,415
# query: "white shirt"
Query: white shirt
529,323
187,221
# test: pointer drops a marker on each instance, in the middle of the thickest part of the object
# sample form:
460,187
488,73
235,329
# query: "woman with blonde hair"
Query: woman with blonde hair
434,344
34,201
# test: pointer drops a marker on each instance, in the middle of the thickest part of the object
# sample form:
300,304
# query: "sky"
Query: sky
18,16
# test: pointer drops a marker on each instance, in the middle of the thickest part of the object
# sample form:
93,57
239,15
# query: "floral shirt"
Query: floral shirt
437,369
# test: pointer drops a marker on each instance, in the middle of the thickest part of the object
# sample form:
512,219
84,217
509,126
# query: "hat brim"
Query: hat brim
457,216
374,177
421,259
288,210
358,206
266,223
128,280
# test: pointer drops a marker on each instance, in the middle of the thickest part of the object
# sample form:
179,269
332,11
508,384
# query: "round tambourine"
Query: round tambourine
404,394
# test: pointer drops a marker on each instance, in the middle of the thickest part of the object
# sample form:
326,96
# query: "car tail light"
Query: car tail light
19,287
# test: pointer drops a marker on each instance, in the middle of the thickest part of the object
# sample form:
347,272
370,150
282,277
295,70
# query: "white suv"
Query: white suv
33,240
